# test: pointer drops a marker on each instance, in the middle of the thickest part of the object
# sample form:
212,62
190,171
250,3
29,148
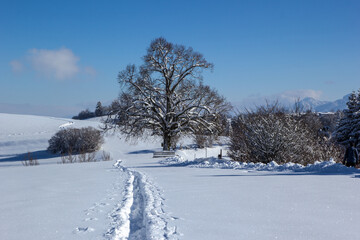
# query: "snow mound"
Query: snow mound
62,126
117,164
212,162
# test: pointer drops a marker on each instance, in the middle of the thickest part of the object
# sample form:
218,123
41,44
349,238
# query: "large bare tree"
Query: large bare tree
165,96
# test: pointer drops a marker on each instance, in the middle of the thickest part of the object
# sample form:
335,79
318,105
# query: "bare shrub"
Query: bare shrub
81,157
68,158
73,140
203,140
87,157
30,160
271,134
105,156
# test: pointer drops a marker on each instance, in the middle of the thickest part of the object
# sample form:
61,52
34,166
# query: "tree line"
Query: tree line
100,111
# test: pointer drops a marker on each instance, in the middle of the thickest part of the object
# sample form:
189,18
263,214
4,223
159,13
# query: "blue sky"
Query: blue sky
58,57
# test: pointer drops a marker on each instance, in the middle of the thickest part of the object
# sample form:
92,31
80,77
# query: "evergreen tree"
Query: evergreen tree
346,127
355,132
99,110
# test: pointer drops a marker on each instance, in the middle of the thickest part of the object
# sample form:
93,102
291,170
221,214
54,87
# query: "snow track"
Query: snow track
140,215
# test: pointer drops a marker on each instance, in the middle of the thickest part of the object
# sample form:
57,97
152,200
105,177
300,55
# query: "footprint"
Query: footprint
83,229
104,204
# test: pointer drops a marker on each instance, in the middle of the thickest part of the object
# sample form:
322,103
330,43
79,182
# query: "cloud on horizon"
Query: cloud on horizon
40,110
293,95
59,64
286,98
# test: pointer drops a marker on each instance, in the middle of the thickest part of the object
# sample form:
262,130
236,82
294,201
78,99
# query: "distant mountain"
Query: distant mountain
324,106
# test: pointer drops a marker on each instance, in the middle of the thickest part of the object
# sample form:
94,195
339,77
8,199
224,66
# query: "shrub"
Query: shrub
73,140
84,115
68,158
270,134
105,156
29,160
203,141
87,157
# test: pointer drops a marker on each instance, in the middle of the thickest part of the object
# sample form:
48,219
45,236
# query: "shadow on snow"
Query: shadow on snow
36,155
142,152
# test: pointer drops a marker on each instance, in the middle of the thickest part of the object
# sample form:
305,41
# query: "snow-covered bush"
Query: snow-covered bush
271,134
73,140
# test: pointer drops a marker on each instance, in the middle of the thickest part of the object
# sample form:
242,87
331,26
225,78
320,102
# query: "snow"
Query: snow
121,216
21,134
58,201
330,167
191,196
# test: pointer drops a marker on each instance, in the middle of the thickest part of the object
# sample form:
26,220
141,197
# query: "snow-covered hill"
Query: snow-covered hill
324,106
193,196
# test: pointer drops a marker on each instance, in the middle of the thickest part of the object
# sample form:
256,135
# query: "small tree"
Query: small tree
165,95
99,110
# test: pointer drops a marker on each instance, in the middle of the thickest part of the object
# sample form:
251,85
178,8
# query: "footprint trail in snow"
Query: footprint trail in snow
140,214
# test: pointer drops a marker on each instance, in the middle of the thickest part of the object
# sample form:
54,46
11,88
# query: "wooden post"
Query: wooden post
220,155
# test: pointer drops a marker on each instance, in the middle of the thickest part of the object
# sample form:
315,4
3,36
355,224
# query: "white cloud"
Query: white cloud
59,64
16,66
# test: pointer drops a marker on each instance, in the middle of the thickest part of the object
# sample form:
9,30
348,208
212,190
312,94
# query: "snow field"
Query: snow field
23,134
66,201
188,197
215,199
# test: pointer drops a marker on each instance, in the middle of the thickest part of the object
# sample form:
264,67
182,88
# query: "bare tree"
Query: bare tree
166,96
298,107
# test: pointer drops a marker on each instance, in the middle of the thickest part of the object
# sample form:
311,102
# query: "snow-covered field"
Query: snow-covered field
192,196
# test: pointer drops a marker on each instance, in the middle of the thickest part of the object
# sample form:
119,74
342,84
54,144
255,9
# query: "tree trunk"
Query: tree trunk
167,142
